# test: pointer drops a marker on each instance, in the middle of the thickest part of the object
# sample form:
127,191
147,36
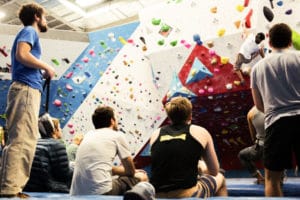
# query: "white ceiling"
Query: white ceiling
68,15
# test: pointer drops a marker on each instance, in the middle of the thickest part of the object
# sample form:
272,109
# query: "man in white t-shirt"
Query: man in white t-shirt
94,168
248,51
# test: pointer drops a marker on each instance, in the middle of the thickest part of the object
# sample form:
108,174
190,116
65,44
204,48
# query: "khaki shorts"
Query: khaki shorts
205,187
239,62
121,184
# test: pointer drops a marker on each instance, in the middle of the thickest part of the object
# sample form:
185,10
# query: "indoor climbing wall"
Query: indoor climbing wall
179,47
193,55
115,59
58,53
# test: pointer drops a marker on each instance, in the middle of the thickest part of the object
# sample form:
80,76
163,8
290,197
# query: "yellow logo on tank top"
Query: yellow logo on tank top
170,137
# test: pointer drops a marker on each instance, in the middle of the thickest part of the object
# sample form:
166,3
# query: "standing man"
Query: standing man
23,102
175,152
276,92
94,164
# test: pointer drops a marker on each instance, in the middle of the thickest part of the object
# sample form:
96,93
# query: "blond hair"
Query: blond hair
179,110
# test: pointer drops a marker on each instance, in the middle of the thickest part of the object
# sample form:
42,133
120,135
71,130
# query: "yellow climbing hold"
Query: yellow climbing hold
224,60
221,32
240,8
122,40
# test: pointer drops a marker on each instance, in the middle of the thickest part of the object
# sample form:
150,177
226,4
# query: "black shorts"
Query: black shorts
282,140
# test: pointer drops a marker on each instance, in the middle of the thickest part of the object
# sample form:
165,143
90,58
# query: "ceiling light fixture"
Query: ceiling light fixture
85,3
73,7
90,13
2,14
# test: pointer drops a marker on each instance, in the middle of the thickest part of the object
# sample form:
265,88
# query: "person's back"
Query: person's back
282,95
275,89
50,170
94,165
175,155
175,152
95,156
72,148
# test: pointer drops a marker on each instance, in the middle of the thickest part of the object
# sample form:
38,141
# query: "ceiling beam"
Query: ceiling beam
6,29
117,23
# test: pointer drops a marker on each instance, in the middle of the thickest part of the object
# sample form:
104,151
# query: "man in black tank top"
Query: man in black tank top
175,152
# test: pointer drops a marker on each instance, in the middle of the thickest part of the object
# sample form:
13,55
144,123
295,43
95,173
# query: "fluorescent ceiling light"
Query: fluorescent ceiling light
87,3
73,7
87,14
2,14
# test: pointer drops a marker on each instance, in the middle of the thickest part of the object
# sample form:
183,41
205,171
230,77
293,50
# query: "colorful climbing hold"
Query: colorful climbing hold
248,19
57,102
268,13
55,61
221,32
156,21
122,40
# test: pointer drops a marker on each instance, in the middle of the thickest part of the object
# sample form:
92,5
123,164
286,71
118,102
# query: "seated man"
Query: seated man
50,170
249,155
175,152
94,169
72,148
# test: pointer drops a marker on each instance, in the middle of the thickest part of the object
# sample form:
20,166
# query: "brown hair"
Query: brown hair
280,36
179,110
102,117
28,12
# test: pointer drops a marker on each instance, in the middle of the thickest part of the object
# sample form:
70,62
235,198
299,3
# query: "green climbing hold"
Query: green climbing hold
296,40
161,42
165,28
173,43
156,21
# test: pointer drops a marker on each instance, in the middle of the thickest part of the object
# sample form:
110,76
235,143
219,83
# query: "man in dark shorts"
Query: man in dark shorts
276,90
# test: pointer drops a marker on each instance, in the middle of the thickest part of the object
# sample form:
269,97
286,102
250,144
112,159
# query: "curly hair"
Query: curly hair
28,12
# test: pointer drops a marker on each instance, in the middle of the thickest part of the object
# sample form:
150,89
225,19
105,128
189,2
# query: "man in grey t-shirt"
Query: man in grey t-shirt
276,92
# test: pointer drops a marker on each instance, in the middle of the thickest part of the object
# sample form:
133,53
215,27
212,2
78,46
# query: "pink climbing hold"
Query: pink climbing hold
201,91
85,59
57,102
69,75
212,52
69,87
92,52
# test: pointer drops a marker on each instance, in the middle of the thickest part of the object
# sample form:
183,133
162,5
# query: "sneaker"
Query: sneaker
141,191
259,182
283,177
18,195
